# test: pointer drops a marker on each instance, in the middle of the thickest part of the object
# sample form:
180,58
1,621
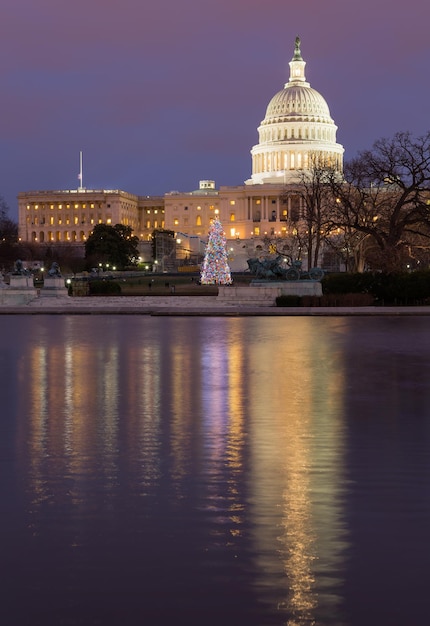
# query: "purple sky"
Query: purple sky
159,94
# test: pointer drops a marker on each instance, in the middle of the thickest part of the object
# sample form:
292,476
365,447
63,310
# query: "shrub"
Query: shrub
285,300
347,283
104,287
400,288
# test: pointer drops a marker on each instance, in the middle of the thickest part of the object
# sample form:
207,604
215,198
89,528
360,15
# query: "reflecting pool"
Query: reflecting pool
201,470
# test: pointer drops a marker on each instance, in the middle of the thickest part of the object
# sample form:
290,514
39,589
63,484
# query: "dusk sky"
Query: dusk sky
159,94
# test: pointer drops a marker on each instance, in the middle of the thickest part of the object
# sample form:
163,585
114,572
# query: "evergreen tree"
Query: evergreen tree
115,245
215,270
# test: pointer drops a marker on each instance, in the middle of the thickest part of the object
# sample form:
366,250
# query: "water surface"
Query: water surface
258,471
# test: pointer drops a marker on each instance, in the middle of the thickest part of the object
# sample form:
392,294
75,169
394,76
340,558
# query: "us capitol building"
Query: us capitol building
296,130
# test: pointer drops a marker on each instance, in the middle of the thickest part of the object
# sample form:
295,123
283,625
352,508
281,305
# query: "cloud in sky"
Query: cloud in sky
160,94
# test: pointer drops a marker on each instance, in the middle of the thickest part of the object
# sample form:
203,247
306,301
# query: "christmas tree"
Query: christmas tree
215,269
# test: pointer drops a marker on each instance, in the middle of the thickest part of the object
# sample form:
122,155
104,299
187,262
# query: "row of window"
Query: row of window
63,206
67,220
124,210
281,134
58,236
256,217
155,224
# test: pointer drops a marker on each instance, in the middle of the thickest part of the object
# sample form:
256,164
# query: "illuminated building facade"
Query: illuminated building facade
70,216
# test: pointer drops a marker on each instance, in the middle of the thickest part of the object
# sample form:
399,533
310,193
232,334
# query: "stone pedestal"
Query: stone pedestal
21,290
54,287
264,293
300,288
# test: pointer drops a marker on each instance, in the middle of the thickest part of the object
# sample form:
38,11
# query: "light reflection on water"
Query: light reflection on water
210,461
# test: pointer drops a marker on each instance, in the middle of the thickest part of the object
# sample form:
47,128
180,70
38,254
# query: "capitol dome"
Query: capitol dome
297,131
297,102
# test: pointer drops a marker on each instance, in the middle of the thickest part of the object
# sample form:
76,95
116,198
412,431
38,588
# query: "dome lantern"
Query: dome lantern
297,66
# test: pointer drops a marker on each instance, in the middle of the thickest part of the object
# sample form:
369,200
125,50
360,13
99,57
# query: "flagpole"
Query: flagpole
80,171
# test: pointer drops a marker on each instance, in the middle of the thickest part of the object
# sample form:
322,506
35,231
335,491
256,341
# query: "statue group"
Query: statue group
19,269
55,270
282,268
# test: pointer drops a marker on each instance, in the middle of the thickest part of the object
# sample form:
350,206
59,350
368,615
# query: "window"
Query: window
232,217
232,202
295,208
198,220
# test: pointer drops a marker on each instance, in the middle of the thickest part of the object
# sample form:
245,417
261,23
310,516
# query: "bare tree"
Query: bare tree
313,224
384,197
8,228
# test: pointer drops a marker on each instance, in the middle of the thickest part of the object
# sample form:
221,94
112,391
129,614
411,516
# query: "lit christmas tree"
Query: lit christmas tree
215,270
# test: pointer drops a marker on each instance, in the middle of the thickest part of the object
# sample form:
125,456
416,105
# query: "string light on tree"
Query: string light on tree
215,269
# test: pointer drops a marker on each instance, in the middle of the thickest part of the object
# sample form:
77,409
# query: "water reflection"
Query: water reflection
190,454
298,466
